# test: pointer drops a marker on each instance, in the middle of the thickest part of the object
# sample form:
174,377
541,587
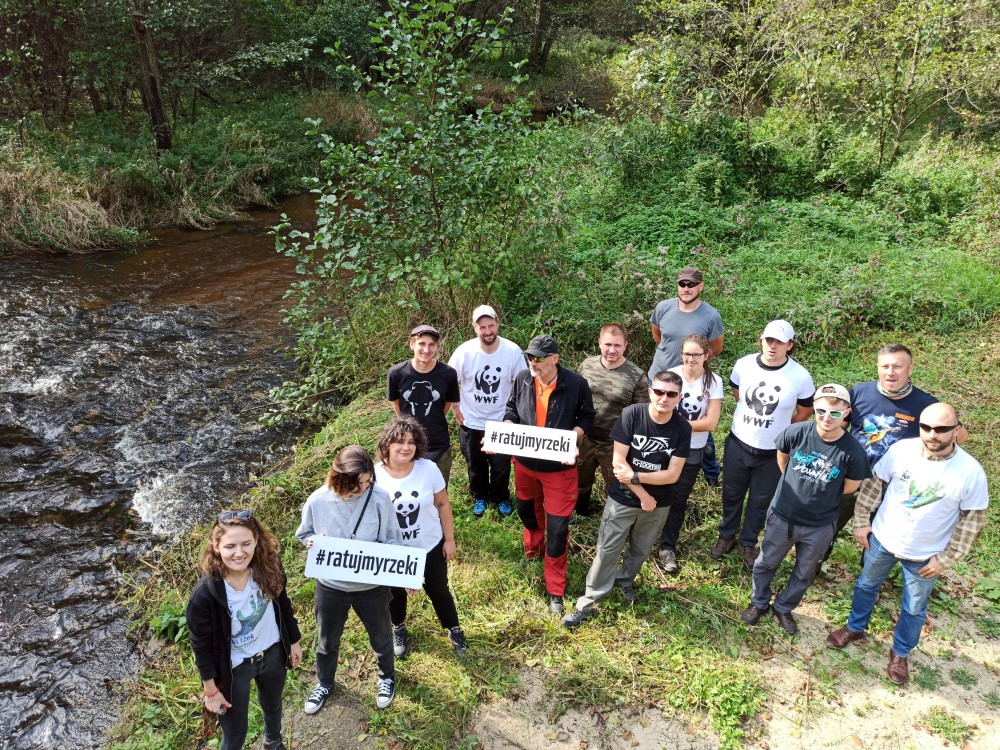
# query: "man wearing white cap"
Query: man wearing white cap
819,462
486,367
772,391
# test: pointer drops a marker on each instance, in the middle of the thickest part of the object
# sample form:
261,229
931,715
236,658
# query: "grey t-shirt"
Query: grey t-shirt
675,326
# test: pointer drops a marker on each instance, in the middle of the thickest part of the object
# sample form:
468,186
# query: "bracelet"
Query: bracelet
212,695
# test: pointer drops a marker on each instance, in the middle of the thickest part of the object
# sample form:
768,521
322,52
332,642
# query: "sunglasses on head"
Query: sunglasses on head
660,393
688,284
832,413
229,515
938,429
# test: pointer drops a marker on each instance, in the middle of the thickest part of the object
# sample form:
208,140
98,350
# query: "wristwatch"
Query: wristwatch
635,477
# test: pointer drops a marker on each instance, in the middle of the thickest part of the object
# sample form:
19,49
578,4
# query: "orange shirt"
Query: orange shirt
542,393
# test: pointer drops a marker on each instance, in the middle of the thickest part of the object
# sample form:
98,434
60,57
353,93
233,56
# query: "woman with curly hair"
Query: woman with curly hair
242,627
420,496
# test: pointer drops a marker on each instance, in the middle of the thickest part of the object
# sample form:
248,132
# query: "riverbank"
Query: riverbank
680,661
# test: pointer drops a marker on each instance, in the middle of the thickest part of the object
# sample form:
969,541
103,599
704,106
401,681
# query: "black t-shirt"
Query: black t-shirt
423,395
650,448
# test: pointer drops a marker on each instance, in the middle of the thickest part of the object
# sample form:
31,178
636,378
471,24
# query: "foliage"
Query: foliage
947,725
170,624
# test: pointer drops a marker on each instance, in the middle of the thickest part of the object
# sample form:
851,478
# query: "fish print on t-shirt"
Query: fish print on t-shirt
258,606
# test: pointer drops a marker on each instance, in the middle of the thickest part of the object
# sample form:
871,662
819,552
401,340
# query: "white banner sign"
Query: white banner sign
365,562
530,441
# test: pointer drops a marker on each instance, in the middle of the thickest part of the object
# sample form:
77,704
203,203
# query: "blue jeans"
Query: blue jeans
709,463
879,562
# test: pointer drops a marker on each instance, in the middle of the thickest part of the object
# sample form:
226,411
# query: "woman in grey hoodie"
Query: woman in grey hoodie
349,505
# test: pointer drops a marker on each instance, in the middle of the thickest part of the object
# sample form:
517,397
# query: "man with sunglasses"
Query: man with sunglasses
652,442
819,461
548,395
932,500
675,319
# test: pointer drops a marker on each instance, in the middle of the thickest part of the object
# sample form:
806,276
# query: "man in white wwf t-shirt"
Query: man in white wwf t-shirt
935,504
772,391
486,367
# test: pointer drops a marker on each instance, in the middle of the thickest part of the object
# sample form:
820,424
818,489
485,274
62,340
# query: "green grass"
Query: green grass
947,726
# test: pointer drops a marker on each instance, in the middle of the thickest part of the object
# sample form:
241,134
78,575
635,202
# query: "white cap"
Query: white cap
779,329
484,310
833,390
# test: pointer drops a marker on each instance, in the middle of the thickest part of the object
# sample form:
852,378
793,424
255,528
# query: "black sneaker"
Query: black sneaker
276,745
574,619
628,591
556,606
751,615
316,698
385,693
668,561
400,646
457,639
787,622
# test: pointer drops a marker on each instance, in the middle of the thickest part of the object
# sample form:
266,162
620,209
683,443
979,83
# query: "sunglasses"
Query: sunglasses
938,429
688,284
229,515
660,393
535,360
833,414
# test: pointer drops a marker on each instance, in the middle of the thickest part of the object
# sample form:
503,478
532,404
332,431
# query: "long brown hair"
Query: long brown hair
395,431
265,565
702,342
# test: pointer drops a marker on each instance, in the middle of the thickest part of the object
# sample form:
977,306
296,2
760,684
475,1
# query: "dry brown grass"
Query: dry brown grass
345,115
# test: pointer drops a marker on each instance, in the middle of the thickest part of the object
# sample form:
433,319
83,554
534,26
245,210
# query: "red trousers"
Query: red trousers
545,502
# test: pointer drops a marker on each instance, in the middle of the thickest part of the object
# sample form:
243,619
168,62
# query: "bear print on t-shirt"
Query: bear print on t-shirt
692,406
763,399
487,381
407,511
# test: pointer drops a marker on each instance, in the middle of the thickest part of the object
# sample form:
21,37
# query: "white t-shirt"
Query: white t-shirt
922,503
694,401
768,397
413,498
485,379
255,628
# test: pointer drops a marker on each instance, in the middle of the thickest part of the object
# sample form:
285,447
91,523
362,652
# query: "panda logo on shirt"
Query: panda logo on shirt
407,511
763,399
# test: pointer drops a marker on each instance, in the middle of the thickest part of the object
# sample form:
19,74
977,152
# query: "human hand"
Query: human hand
295,655
448,550
216,704
861,534
648,504
932,569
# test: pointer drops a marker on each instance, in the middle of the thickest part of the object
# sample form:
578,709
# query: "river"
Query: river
130,387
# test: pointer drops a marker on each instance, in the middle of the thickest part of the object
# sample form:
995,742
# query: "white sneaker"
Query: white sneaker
315,700
385,693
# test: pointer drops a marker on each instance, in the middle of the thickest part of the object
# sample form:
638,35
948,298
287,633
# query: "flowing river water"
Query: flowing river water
130,387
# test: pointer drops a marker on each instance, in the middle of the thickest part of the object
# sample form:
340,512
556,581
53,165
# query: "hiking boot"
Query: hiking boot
400,646
787,622
504,508
628,591
385,693
315,700
575,618
556,606
457,639
899,669
479,508
749,552
276,745
721,547
840,638
751,615
668,561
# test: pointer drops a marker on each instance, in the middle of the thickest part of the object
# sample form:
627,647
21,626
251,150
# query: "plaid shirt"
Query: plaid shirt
970,522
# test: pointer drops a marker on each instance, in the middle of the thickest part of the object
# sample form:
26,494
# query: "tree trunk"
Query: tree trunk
152,93
539,37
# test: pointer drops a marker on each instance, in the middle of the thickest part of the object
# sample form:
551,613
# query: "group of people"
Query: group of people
883,453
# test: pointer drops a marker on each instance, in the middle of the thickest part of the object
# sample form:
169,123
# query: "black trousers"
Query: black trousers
489,476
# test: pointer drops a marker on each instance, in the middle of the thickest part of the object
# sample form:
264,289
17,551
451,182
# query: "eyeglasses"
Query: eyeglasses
535,360
938,429
229,515
688,284
837,414
692,355
660,393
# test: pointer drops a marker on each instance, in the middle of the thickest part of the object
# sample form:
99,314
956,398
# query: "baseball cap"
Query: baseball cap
833,390
484,310
690,273
779,329
425,330
542,346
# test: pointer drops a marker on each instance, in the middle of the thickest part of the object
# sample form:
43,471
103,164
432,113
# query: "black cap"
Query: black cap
425,330
542,346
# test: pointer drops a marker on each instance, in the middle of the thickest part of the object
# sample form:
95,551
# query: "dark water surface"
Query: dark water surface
130,386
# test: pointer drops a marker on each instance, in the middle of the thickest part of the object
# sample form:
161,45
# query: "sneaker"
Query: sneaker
575,618
457,639
399,641
385,693
315,700
751,615
668,561
479,508
504,508
276,745
749,552
628,591
556,605
721,547
786,621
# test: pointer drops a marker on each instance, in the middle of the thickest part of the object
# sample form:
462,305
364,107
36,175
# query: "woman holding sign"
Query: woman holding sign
420,497
242,627
349,506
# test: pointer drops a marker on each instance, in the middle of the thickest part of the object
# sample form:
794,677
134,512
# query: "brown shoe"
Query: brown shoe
749,553
840,638
898,670
721,547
